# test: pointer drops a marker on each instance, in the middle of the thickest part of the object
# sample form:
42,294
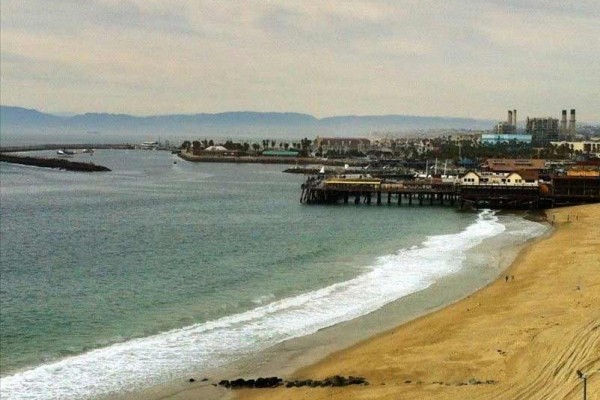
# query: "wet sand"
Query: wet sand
518,339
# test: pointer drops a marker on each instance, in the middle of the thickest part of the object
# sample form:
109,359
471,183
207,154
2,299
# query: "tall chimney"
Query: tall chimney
515,119
572,122
509,117
563,122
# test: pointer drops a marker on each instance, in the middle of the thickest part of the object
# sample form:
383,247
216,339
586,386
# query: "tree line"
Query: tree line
303,147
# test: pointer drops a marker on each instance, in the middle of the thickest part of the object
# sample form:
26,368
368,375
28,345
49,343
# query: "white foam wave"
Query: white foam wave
152,360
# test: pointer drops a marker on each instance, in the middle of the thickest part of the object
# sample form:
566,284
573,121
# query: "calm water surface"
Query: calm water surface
204,257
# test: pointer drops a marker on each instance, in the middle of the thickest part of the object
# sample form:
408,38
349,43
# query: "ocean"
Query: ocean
113,282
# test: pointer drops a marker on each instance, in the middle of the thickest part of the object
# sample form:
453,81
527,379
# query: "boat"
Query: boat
65,153
149,145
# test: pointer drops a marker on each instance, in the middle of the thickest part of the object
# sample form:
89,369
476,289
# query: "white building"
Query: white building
521,178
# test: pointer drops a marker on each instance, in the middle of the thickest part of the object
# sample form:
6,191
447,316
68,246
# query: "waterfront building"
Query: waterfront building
470,178
517,178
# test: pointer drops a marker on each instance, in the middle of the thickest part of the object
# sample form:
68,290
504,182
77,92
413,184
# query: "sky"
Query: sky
466,58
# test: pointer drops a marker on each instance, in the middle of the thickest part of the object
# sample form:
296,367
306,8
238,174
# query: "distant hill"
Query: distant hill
16,120
24,116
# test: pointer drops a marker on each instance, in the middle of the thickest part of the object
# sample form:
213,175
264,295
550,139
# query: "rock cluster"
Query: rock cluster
272,382
335,381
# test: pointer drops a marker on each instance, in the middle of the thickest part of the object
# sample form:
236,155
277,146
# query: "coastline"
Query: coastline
287,357
517,339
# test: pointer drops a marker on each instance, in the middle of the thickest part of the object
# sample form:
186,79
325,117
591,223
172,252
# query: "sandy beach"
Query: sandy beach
522,337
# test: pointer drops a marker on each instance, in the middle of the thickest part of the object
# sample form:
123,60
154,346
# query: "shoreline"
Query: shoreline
285,358
269,160
511,339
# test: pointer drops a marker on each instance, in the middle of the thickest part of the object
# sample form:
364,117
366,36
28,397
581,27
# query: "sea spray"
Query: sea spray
143,362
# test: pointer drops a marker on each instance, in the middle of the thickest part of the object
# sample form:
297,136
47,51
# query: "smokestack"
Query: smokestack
509,117
563,122
515,119
572,122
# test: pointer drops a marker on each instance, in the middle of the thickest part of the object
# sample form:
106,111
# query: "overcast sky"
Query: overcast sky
446,58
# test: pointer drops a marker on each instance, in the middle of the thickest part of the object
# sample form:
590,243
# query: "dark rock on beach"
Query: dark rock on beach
240,383
273,382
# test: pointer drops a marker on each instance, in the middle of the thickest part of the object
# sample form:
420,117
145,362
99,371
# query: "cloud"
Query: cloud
324,58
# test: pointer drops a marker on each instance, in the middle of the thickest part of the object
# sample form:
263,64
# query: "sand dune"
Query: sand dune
520,339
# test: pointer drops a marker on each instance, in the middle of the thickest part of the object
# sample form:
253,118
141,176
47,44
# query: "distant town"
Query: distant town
540,163
549,163
539,138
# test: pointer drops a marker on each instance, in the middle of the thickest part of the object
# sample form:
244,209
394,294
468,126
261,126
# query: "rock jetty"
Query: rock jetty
52,163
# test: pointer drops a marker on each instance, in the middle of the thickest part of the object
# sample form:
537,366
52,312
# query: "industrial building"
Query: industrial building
546,130
494,138
538,131
570,130
542,130
509,126
506,131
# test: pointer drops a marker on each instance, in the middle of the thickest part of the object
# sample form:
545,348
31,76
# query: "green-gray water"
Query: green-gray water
165,266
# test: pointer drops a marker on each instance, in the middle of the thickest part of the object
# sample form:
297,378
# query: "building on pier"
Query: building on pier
517,178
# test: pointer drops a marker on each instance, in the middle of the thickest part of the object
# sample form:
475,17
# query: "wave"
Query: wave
145,362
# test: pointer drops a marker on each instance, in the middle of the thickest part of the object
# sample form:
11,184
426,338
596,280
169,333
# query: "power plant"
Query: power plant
539,131
572,129
509,126
542,130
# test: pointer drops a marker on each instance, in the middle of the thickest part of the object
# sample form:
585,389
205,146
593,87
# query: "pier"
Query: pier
561,191
373,191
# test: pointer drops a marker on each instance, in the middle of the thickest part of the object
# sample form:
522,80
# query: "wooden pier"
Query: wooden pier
390,193
561,191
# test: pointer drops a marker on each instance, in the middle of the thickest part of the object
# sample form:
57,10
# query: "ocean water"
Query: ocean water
117,281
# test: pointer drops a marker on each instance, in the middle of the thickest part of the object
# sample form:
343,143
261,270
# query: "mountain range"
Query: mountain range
16,120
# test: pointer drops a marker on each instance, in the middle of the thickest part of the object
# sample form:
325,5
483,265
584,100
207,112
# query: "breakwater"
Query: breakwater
217,158
41,147
52,163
